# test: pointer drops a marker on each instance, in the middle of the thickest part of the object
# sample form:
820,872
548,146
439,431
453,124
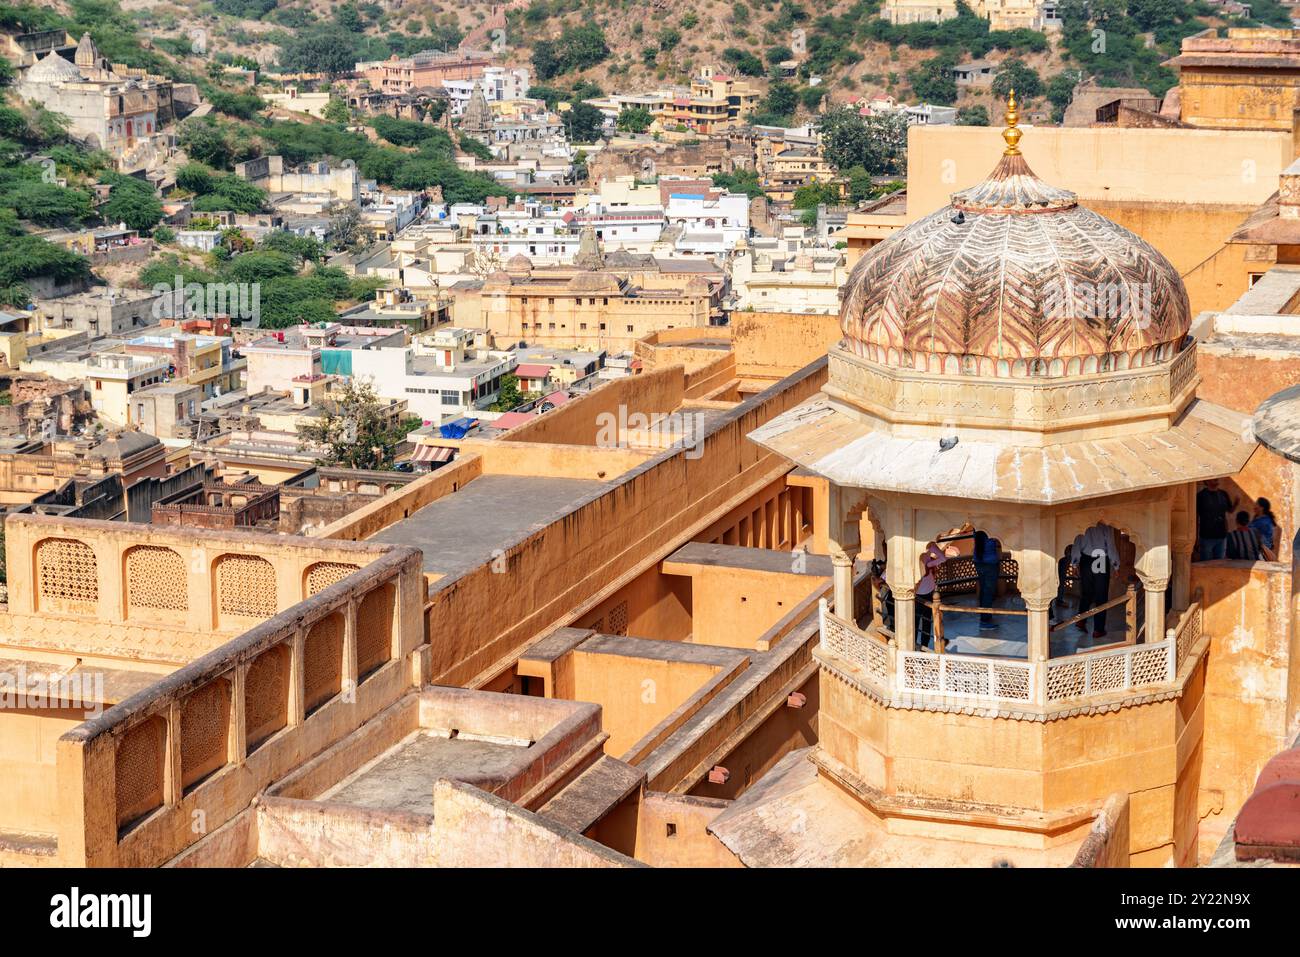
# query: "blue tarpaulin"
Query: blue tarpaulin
457,428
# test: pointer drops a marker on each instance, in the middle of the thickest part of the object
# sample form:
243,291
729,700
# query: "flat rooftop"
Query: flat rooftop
402,778
460,531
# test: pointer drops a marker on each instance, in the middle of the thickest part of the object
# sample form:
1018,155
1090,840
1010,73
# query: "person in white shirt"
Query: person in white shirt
1097,557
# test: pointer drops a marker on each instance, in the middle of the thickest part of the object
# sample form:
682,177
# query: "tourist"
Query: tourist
931,559
987,556
1097,557
1212,507
1245,544
884,597
1265,523
1062,578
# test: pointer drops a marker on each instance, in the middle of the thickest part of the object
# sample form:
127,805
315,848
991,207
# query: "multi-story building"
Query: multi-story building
426,69
108,106
627,227
592,309
766,278
499,85
782,170
276,360
1246,80
708,220
1039,15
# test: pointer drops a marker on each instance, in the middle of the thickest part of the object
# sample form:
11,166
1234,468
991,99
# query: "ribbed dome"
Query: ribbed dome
1014,278
52,69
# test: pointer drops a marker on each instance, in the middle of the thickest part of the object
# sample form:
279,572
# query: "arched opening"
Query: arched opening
1099,594
967,600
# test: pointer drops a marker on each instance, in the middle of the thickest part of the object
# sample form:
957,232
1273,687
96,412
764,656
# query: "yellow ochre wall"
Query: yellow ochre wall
635,693
1149,751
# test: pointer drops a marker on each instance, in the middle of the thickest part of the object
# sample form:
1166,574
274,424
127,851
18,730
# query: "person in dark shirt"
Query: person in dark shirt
1244,544
1212,507
987,557
1265,523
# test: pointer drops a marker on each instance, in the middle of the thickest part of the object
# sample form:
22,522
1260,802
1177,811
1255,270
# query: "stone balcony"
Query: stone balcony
1085,682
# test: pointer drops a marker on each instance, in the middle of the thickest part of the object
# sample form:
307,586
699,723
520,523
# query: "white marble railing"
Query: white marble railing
922,674
966,676
1102,672
849,643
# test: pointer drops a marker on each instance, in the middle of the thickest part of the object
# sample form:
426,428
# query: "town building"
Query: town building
109,106
423,70
1247,80
1001,14
337,183
589,306
765,277
499,84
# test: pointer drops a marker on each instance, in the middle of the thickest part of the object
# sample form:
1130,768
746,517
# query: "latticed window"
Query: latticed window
205,723
323,662
138,773
245,587
266,695
67,575
618,619
374,630
155,579
323,574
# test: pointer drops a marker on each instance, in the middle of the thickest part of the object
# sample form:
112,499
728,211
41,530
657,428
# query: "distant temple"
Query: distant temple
109,106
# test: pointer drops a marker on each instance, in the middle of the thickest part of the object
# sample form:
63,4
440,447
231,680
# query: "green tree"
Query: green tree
329,49
195,178
812,195
583,123
878,144
138,208
1060,92
1015,75
355,431
509,395
336,111
977,115
349,18
744,62
741,181
345,227
933,82
634,119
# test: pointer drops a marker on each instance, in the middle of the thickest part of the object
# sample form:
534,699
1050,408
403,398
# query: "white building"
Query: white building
629,227
708,224
499,85
443,376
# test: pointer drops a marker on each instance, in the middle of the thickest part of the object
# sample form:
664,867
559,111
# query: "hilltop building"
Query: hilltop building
111,107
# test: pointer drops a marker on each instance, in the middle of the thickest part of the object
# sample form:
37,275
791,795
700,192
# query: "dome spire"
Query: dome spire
1012,134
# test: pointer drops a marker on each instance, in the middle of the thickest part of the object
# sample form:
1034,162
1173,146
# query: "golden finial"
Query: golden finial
1011,134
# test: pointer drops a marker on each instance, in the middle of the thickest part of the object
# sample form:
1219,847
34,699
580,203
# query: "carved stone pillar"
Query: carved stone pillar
1039,607
1154,589
842,576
